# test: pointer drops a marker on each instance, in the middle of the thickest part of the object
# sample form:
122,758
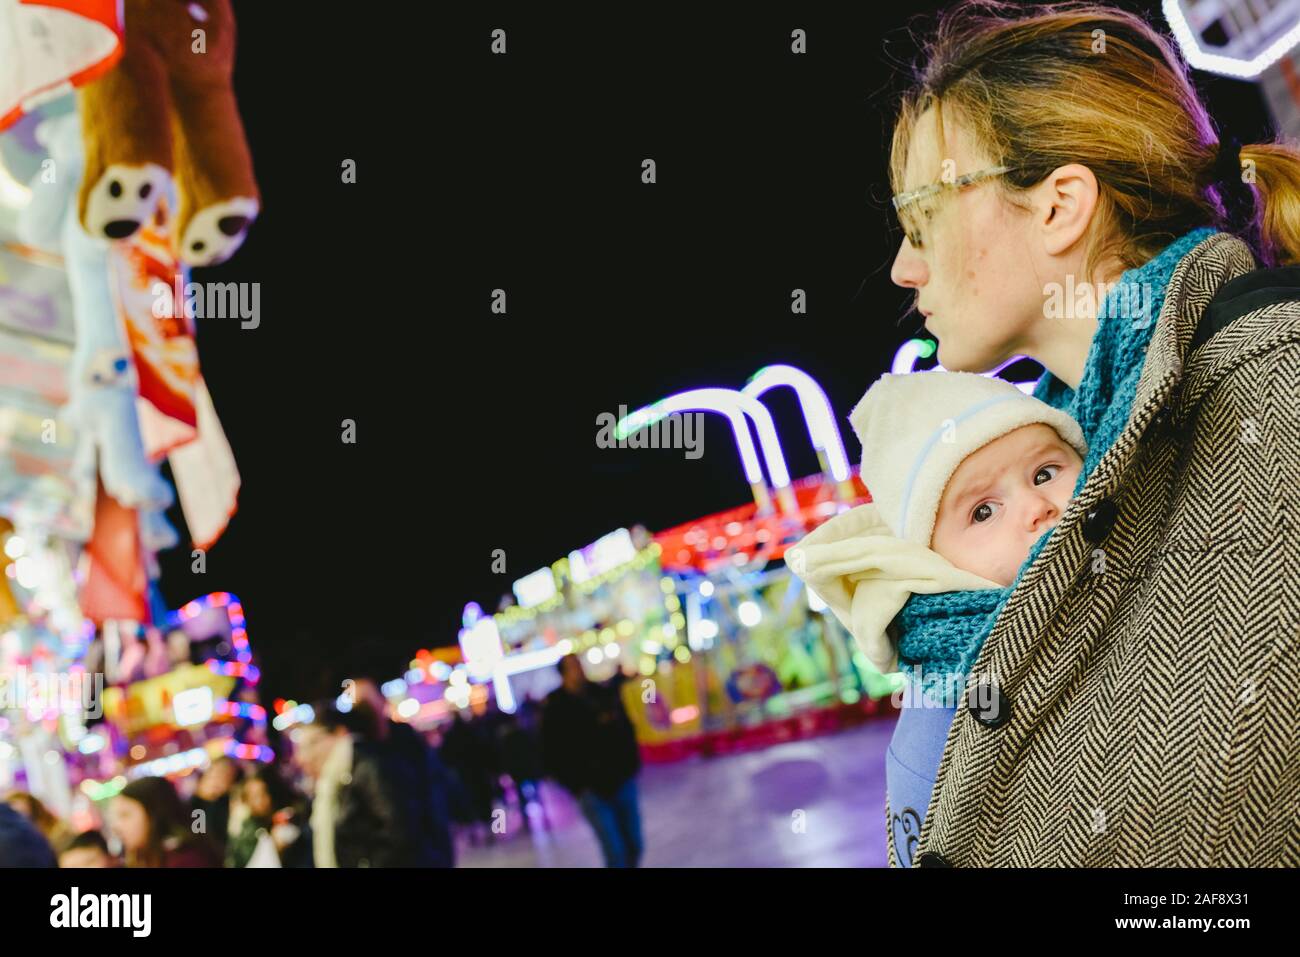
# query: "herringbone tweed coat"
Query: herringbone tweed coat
1151,676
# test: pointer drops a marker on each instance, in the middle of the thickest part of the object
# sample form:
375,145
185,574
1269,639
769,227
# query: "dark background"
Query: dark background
477,431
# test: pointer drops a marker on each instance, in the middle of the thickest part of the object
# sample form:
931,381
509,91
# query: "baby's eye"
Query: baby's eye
1053,469
984,509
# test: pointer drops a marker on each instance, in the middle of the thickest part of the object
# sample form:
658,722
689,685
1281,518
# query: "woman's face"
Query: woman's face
129,822
979,272
257,798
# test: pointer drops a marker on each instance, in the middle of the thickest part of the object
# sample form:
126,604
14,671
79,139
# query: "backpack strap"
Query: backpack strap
1245,294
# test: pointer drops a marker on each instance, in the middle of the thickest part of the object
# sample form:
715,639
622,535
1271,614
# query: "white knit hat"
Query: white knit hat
916,428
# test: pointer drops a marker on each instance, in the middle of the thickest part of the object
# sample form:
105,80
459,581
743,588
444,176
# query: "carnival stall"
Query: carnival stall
722,646
100,225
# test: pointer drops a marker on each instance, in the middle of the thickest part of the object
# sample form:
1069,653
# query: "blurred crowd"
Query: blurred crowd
359,789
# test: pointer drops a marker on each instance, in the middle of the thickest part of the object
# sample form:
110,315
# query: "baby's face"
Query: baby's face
1002,498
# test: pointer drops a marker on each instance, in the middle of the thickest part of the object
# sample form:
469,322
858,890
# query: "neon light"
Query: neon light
535,588
1201,59
816,408
172,764
250,752
192,706
243,709
472,613
518,664
735,406
681,403
601,556
234,611
235,669
300,714
907,354
482,648
913,349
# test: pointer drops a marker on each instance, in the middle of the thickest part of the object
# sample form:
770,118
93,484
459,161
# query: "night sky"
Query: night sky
477,431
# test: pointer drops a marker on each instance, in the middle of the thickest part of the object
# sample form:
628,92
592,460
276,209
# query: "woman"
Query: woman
264,805
1131,695
151,822
32,808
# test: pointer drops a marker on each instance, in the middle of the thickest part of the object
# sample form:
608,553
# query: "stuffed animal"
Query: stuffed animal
102,403
167,113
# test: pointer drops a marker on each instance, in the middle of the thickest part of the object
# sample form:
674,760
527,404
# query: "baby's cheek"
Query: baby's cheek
1004,562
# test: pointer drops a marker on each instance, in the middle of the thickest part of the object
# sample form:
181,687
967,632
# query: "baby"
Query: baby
965,472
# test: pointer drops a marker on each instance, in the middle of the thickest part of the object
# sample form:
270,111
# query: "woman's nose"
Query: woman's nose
909,268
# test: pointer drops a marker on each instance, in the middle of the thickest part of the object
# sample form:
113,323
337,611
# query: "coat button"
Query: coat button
1158,427
1099,521
931,859
988,704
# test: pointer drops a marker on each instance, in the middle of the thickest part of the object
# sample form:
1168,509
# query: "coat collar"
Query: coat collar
1197,277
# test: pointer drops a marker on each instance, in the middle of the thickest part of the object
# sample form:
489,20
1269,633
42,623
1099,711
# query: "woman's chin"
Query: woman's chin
953,359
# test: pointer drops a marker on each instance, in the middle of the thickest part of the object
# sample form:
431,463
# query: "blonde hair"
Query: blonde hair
1041,87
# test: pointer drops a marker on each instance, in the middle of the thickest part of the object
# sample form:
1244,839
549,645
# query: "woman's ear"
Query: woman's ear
1068,198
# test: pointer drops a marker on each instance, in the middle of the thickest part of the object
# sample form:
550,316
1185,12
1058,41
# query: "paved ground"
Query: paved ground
735,811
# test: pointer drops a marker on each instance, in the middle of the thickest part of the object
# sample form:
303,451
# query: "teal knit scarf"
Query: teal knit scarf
942,633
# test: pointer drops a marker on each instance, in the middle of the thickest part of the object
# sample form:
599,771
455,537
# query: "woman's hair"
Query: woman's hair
1037,88
278,791
166,815
41,816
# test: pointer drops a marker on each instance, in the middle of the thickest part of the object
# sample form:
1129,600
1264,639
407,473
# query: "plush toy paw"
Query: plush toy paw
123,199
110,368
216,231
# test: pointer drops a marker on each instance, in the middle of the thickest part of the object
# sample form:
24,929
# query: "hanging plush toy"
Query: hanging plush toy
166,113
102,404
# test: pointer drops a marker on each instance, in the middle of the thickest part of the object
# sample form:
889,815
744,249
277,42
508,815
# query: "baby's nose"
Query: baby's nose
1043,514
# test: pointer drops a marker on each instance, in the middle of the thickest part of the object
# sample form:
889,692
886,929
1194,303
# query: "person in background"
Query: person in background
150,820
521,757
87,849
469,752
21,844
262,804
212,797
423,775
589,747
362,814
42,818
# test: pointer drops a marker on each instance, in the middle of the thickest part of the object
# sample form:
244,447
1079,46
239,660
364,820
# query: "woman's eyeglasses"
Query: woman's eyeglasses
917,206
